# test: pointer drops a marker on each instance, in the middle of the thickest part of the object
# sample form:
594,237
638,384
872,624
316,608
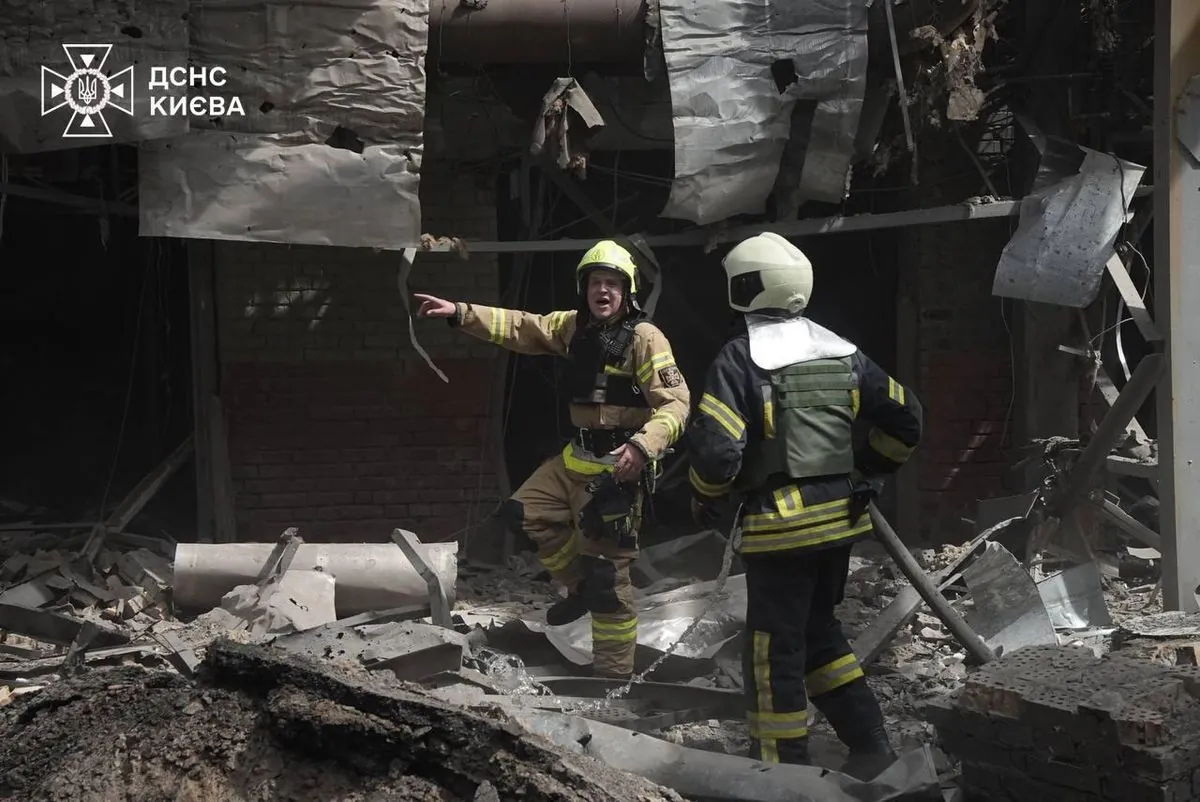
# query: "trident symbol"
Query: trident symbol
87,89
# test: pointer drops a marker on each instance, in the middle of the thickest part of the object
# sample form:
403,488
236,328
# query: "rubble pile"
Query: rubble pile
121,585
295,686
266,725
1058,722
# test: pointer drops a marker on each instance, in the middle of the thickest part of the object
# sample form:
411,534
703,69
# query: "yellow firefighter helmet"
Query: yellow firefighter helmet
607,255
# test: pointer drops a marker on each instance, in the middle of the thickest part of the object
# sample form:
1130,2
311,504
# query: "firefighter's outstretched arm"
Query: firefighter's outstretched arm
717,435
664,388
522,332
894,413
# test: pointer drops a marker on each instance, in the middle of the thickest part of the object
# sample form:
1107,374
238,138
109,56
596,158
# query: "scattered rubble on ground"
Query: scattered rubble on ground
275,693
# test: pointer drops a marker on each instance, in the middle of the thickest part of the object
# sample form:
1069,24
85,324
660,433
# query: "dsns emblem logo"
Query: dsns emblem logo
87,91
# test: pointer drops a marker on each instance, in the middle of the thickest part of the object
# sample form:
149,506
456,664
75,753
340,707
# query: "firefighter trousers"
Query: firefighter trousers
571,526
795,650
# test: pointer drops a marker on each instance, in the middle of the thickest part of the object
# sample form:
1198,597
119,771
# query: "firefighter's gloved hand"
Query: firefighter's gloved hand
866,490
705,511
629,464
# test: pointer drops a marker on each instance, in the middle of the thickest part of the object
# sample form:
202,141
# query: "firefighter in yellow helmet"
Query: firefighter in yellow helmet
629,402
774,428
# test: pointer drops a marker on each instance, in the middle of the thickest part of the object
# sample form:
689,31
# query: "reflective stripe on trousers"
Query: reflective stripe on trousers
767,726
833,675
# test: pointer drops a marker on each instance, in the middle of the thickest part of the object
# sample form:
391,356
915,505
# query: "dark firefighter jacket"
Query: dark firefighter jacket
737,413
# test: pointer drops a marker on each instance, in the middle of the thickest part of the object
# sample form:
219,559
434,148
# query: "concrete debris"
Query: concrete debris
297,601
356,707
268,725
120,586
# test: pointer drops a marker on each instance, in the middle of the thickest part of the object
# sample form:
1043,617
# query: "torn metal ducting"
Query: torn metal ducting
746,77
329,151
556,134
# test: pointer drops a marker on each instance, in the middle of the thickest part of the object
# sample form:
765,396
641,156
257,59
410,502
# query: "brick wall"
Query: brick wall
965,375
336,425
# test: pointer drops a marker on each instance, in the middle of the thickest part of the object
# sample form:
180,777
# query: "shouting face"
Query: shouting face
605,293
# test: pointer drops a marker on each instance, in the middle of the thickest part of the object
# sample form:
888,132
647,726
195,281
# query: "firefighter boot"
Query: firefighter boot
854,714
572,608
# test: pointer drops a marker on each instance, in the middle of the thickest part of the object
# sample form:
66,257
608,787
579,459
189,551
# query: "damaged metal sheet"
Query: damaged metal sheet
662,619
737,70
697,773
408,649
553,125
1074,598
329,150
1009,613
211,185
142,35
1069,224
1187,119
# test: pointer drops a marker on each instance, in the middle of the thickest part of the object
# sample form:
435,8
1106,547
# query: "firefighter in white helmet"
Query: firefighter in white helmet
582,508
773,428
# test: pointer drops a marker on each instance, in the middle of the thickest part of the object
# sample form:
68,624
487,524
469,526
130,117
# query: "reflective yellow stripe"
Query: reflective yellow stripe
768,398
889,446
603,630
803,537
657,362
729,420
559,560
611,371
831,676
668,419
497,328
778,726
788,501
704,488
855,400
817,513
807,526
579,463
895,390
557,321
762,688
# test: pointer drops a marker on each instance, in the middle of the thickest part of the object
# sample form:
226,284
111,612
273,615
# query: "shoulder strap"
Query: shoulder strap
619,341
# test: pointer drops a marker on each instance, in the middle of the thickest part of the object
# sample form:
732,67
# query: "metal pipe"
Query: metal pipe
537,32
610,32
369,576
924,585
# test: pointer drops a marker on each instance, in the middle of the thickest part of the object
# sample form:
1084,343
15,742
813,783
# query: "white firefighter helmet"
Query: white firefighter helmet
766,272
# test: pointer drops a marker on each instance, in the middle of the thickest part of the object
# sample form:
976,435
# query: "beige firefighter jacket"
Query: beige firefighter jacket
649,359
